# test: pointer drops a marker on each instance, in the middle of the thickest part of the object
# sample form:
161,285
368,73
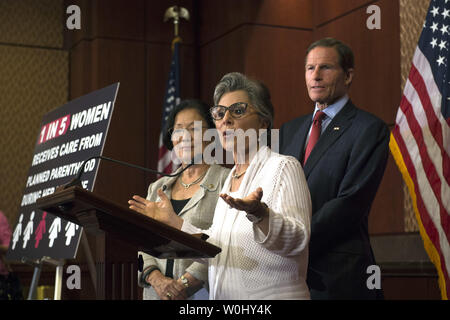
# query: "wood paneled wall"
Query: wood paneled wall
265,39
268,40
262,39
128,41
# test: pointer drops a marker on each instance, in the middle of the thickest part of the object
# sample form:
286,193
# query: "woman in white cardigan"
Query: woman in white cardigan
262,223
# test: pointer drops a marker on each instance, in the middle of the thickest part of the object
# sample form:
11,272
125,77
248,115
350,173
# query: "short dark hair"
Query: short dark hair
198,105
346,57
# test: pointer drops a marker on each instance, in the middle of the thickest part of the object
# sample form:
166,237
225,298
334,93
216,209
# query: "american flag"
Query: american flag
420,140
171,99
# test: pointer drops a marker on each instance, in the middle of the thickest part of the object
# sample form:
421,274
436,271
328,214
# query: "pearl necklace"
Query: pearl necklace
187,185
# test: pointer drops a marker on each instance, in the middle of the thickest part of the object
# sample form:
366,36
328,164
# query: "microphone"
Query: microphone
77,180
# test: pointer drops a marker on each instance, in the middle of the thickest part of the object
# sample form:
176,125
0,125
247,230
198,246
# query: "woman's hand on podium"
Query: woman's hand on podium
159,210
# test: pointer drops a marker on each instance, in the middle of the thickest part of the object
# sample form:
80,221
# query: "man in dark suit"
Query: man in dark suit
344,153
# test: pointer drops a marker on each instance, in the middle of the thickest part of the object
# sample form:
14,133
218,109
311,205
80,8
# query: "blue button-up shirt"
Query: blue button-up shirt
330,112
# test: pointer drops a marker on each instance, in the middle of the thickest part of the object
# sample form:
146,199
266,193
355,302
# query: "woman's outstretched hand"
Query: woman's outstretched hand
249,204
159,210
252,205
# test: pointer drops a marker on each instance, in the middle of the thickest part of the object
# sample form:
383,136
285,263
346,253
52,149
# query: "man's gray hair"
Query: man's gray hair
257,92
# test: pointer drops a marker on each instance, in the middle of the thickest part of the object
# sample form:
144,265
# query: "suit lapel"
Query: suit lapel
209,184
297,146
335,129
193,201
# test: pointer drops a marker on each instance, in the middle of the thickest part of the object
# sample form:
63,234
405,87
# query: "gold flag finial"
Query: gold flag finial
176,13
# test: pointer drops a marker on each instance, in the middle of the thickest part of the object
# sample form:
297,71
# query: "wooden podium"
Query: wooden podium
120,233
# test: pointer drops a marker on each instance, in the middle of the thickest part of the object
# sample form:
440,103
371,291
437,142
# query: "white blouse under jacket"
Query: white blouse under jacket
252,265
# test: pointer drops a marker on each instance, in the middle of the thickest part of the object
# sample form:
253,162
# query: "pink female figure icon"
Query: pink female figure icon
40,230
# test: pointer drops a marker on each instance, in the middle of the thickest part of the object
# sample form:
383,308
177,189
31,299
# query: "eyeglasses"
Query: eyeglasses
177,133
237,110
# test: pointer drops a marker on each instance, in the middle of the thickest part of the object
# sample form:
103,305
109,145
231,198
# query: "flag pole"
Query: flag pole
176,13
172,95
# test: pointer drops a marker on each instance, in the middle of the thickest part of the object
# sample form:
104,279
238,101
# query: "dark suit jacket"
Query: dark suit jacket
343,172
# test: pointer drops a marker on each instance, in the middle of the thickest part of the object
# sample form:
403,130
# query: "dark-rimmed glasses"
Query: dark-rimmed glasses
237,110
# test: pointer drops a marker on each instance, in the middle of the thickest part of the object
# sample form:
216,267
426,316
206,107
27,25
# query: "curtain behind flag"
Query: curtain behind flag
171,99
420,140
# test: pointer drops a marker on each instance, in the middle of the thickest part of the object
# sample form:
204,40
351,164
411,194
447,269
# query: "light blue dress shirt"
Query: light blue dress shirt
330,112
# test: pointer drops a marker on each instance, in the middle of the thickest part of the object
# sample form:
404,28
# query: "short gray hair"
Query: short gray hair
257,92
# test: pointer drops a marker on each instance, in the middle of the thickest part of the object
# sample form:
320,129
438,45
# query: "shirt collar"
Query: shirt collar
334,108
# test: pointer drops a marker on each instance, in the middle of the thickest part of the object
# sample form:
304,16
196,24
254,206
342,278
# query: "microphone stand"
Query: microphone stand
77,180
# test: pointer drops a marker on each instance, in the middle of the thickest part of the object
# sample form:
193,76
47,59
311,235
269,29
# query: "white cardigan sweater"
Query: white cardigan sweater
252,265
